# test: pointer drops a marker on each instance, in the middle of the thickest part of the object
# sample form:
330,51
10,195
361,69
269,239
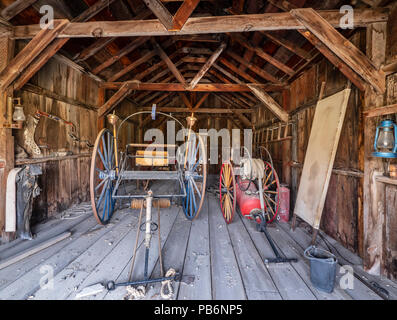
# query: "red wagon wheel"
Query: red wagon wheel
227,191
271,192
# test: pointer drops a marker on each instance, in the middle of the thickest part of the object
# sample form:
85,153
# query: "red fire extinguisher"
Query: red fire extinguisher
283,213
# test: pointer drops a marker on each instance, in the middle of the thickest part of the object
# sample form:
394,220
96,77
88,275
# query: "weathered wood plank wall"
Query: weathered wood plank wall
64,182
340,217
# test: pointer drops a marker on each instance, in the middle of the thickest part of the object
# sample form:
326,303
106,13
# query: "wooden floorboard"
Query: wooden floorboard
258,283
198,262
174,253
227,283
70,278
346,257
226,261
168,219
28,283
290,248
289,283
360,291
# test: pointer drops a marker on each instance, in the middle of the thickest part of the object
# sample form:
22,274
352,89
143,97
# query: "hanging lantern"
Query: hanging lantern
18,114
385,144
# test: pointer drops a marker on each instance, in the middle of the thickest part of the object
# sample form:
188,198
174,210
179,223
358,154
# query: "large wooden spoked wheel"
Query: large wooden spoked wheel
271,193
227,191
194,169
101,184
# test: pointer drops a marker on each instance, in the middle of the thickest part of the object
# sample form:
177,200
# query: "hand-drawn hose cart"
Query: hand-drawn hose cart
109,170
252,187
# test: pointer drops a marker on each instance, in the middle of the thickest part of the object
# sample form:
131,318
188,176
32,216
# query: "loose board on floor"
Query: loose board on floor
320,156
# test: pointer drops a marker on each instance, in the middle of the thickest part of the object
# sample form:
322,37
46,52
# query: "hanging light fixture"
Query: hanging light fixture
18,115
385,143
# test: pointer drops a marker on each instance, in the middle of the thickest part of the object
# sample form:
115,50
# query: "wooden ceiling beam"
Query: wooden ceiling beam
183,13
136,43
207,65
56,45
342,47
203,25
289,45
201,110
254,68
16,8
101,43
236,70
201,101
269,103
137,62
161,12
26,56
245,94
258,51
168,62
336,61
117,98
201,87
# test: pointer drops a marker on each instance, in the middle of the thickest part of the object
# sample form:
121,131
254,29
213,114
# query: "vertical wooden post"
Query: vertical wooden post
286,145
101,102
374,193
6,138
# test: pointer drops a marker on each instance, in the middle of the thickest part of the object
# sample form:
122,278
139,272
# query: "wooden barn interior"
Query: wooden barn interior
70,69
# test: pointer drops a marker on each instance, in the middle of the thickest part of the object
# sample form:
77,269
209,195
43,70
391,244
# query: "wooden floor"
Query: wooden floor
226,261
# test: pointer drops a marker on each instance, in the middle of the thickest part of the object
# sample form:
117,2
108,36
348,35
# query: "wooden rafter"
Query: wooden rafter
207,65
183,13
56,45
200,102
30,52
289,45
254,68
117,98
203,25
335,60
201,110
161,12
145,58
235,69
269,103
101,43
93,49
136,43
341,47
168,62
15,8
248,45
201,87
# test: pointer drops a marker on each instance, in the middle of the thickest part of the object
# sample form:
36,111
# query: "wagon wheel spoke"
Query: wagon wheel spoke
227,192
271,192
101,189
101,184
195,181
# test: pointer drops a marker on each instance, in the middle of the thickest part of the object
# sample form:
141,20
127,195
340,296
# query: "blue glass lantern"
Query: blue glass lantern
385,144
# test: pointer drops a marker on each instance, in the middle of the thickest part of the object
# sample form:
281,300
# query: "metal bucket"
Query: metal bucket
322,268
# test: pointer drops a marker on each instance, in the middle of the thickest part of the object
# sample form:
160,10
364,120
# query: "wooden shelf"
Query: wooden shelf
47,159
